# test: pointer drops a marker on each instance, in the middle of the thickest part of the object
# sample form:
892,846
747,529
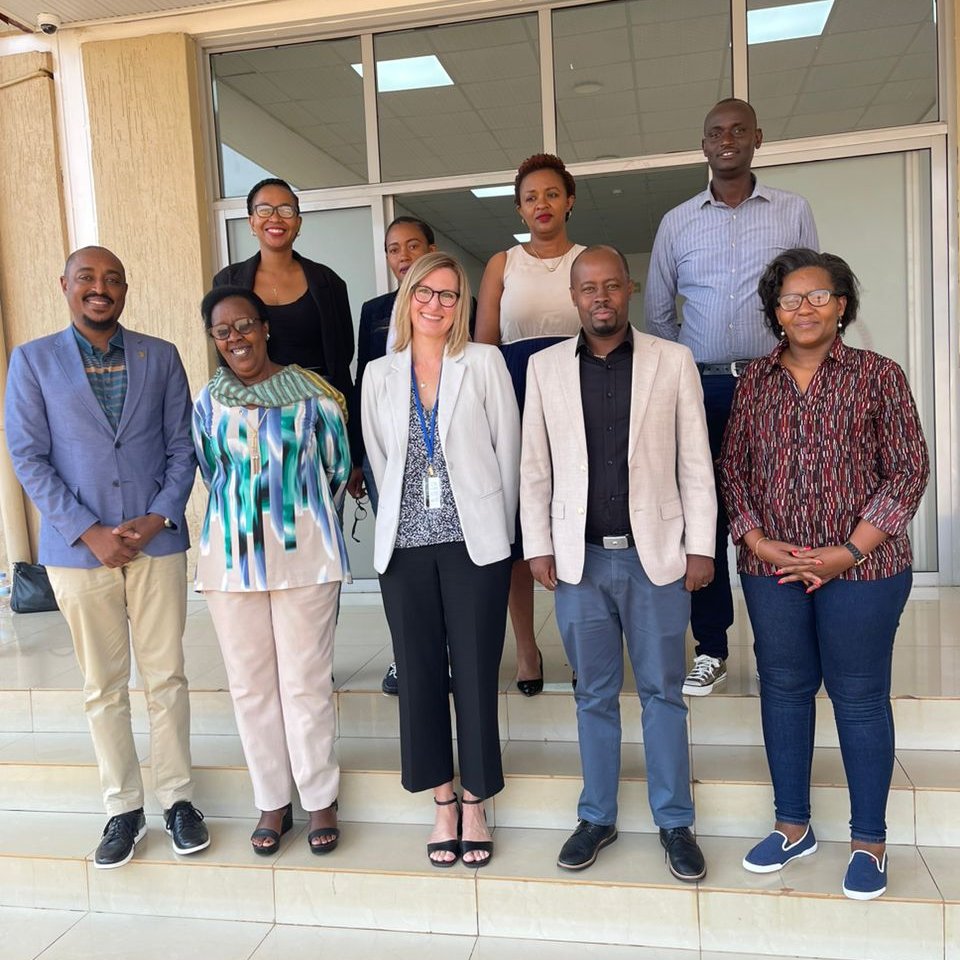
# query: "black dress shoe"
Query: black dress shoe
585,843
682,853
120,835
530,688
184,823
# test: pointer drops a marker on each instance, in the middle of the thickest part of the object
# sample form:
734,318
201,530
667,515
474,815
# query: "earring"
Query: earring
266,336
783,333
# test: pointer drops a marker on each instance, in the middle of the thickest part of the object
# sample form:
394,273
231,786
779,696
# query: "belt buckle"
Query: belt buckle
615,543
734,369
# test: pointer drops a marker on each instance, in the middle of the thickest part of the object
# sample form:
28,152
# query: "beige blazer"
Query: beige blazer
479,428
673,504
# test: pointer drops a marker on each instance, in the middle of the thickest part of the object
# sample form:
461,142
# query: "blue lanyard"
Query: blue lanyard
429,432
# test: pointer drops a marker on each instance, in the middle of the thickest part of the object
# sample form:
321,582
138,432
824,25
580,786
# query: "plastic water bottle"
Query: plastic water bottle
4,592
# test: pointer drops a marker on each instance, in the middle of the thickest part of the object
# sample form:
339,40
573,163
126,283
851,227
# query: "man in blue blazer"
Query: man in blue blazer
98,427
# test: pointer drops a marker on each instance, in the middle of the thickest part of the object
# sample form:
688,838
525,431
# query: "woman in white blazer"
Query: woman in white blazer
442,433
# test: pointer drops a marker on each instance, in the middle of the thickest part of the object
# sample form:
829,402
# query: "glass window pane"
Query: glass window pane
870,63
294,112
638,77
486,115
888,247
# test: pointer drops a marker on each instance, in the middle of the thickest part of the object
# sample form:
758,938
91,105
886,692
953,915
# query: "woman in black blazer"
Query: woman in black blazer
307,305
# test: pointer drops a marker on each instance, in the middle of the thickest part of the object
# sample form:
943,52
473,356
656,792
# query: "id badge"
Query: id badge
432,498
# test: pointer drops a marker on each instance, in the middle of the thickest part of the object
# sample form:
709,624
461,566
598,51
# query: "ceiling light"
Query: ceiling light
409,73
789,22
522,237
505,191
587,86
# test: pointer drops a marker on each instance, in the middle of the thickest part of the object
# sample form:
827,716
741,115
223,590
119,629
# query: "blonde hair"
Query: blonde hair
460,331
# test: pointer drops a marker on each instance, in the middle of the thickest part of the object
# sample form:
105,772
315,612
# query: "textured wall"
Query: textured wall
152,203
32,241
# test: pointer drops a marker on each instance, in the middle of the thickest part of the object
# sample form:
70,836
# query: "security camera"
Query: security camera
48,23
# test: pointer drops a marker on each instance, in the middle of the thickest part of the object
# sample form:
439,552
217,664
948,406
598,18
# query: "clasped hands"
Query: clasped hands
813,566
117,546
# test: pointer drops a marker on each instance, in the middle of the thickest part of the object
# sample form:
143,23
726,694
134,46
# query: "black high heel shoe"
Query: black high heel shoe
446,846
321,848
479,846
530,688
265,833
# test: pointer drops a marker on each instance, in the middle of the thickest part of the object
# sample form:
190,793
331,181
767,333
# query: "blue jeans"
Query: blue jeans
615,599
841,634
712,607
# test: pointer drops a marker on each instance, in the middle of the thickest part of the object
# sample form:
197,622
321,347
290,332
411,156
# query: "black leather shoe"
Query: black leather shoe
585,843
184,823
120,836
683,854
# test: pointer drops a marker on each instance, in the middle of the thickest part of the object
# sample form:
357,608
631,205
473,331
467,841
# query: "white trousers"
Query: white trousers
278,651
150,593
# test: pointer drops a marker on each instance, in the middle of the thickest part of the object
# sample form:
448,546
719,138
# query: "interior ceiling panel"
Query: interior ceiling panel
81,11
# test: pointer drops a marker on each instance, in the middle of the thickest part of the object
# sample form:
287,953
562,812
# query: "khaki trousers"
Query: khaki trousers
150,593
278,652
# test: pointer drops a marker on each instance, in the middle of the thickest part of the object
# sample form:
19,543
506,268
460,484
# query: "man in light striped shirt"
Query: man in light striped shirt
711,251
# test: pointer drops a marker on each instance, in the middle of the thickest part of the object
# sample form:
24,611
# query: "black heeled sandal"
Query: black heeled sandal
446,846
321,848
265,833
530,688
480,846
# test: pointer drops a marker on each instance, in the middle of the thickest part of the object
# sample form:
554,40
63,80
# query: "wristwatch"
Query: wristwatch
858,556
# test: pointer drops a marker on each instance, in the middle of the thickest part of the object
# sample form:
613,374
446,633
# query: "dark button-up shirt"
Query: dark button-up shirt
605,387
106,373
807,467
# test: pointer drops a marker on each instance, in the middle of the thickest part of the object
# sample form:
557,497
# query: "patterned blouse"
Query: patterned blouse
806,468
418,526
275,475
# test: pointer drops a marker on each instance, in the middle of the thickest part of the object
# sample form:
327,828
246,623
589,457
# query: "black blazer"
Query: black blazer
329,293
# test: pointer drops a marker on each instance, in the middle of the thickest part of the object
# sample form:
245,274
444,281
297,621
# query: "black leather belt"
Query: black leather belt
622,542
732,369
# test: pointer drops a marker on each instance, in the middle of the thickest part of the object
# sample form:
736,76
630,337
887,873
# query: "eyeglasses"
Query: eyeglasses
816,298
424,294
285,210
243,325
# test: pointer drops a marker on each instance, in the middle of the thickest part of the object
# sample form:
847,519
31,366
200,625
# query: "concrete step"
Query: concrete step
731,786
923,723
379,878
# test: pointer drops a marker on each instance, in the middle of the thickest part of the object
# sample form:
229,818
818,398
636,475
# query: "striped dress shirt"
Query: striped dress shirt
713,255
106,373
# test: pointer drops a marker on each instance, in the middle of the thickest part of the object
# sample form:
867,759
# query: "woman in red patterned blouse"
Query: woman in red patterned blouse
823,467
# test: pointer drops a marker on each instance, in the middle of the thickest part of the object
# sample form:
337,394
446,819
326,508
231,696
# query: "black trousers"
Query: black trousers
447,613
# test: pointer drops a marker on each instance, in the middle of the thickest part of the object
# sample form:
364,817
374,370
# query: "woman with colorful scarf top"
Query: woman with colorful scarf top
273,452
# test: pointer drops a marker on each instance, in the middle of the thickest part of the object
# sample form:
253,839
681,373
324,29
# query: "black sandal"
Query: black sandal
265,833
480,846
446,846
321,848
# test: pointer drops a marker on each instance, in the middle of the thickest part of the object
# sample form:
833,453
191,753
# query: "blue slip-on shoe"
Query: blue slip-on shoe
866,876
775,852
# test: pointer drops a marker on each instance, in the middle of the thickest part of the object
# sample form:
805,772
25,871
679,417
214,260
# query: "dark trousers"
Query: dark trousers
842,635
711,612
447,614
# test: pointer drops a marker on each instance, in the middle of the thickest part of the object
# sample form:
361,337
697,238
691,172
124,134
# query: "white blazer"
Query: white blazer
673,503
479,428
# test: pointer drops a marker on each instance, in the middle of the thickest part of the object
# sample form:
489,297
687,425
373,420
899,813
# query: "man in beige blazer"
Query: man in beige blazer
618,510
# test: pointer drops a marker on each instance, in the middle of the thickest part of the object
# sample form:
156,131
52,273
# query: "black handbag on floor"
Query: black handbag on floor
31,591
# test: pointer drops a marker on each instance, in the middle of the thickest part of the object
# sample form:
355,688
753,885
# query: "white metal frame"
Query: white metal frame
937,138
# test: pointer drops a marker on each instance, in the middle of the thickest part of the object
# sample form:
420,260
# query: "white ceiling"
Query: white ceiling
24,12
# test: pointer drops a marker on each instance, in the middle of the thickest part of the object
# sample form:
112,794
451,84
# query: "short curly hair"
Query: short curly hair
544,161
843,279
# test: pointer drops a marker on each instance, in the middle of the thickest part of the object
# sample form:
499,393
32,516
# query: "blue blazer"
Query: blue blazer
75,469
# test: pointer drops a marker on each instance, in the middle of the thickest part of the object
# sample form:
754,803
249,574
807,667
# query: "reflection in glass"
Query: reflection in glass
488,118
871,64
637,77
295,111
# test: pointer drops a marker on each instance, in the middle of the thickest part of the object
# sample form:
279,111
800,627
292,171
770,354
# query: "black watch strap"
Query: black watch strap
858,556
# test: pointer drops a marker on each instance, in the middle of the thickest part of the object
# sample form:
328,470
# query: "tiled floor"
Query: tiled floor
36,654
